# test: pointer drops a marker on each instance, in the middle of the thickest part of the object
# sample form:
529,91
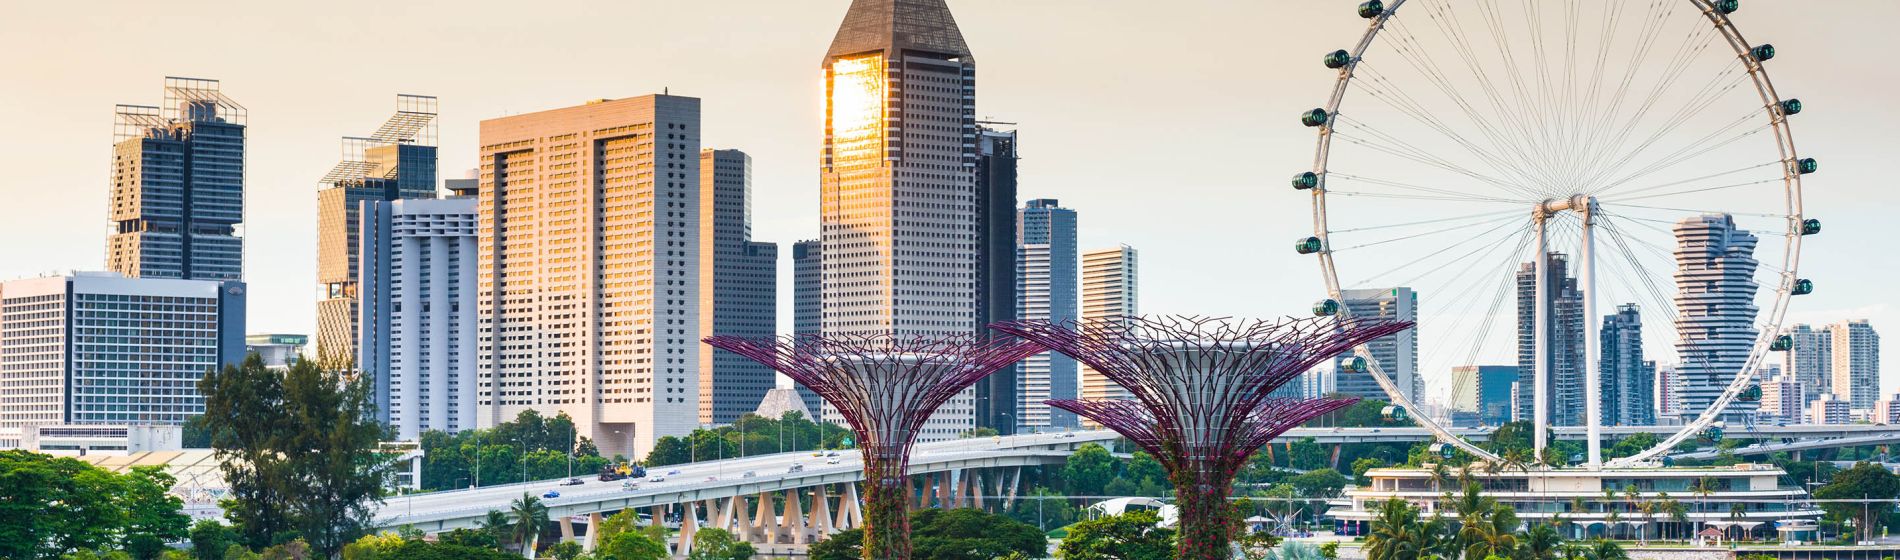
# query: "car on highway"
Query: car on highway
832,454
657,478
674,472
831,461
629,486
712,479
1068,434
572,482
748,474
795,468
551,495
817,453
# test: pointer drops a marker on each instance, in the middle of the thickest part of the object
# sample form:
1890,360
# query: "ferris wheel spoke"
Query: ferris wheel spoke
1475,239
1423,222
1480,254
1672,161
1425,159
1410,107
1415,236
1698,105
1407,46
1451,193
1519,133
1608,138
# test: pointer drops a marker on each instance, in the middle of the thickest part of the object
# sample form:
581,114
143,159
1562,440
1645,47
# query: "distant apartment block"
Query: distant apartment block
417,330
1110,292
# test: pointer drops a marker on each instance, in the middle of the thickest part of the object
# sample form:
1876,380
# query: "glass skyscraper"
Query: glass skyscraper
1715,310
1046,276
178,186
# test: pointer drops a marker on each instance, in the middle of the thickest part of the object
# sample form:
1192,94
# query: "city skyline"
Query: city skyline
285,265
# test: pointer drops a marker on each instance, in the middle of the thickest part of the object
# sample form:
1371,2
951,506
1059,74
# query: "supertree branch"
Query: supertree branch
886,387
1202,391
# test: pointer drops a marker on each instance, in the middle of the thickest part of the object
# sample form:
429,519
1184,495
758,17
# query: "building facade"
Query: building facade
397,161
1781,400
1564,356
1627,381
101,348
1396,354
898,183
277,350
1829,409
738,288
1668,392
1110,292
588,269
1046,276
1856,363
998,397
1715,310
417,330
1810,360
808,308
177,200
1484,391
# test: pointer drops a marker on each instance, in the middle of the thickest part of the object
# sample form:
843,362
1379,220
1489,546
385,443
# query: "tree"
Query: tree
979,432
669,450
843,545
632,545
568,550
1540,543
718,544
1363,464
530,516
58,505
1319,483
1307,454
373,547
209,538
152,515
970,534
1043,508
1129,536
298,450
1089,470
471,538
1862,481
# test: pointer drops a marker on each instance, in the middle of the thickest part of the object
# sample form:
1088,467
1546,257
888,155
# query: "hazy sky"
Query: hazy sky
1170,126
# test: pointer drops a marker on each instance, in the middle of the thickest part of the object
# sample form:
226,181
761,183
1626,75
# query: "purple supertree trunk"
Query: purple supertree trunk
1201,388
885,386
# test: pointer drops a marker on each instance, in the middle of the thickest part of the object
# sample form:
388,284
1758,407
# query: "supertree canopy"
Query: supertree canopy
1201,391
885,386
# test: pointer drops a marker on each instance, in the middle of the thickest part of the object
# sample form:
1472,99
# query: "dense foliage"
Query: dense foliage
1129,536
1481,529
749,435
956,534
451,458
299,449
52,506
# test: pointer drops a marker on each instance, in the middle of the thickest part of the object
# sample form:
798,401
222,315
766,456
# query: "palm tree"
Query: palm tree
1736,512
1702,488
1394,532
1610,516
1541,543
1495,536
1604,549
1439,475
530,516
1648,507
1633,497
1678,512
497,526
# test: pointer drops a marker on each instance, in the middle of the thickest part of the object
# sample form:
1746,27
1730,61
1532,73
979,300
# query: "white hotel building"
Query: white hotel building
417,330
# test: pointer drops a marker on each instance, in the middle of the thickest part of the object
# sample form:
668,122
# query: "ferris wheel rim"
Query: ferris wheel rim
1775,313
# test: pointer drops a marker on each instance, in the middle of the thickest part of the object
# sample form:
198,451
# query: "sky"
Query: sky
1168,126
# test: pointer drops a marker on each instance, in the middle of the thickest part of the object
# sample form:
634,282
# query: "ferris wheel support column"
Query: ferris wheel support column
1592,338
1540,334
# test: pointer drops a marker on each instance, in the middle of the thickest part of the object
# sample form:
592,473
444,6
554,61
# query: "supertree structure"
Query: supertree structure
1201,391
885,386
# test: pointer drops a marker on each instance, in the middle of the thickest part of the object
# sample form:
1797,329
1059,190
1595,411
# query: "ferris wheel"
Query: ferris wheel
1522,167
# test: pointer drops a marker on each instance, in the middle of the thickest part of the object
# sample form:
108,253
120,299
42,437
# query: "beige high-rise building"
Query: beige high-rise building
588,268
1110,292
898,182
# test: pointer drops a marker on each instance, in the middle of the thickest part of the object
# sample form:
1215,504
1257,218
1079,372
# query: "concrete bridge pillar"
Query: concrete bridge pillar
943,489
1009,498
792,526
976,479
766,522
592,538
689,526
742,521
820,513
567,528
850,512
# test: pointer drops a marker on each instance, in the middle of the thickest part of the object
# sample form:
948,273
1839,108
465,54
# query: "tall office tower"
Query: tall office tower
418,324
178,186
1810,361
1485,391
1110,292
1856,363
738,288
1046,291
898,182
1627,381
397,161
1715,310
1397,354
1565,357
1781,399
100,348
589,272
808,308
999,396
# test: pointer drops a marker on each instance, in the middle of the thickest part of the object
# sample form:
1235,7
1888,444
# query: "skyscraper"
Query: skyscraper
808,308
1484,390
178,186
1046,278
1397,354
1856,363
1668,391
100,348
589,272
1110,292
1715,310
1565,357
738,288
1628,381
998,397
898,183
1810,361
417,277
1781,399
397,161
